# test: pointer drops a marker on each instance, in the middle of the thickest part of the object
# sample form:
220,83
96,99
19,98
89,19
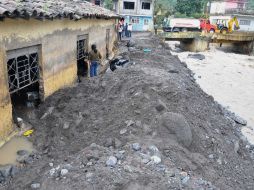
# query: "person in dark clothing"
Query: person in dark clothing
126,30
95,60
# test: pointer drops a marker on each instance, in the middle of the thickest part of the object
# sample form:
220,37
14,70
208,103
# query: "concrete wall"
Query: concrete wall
246,22
58,43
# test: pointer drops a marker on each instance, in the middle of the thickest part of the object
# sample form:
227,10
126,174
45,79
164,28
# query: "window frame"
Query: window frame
143,5
125,7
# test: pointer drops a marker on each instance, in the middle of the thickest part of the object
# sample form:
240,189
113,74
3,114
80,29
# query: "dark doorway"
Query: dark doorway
107,42
82,56
23,78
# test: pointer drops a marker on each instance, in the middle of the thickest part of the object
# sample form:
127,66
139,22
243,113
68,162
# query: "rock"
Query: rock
170,172
118,143
22,152
153,149
120,155
173,71
211,156
239,120
183,174
93,146
15,170
138,124
236,147
136,146
89,164
128,168
177,124
64,172
24,158
51,164
112,161
145,160
196,56
109,142
131,43
89,176
185,179
129,123
49,111
123,131
160,106
233,116
161,168
66,125
156,159
5,171
35,186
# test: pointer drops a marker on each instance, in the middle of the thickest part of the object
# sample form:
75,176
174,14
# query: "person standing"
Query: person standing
95,60
126,30
129,30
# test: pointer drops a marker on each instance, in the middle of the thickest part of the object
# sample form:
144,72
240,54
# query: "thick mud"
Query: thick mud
146,126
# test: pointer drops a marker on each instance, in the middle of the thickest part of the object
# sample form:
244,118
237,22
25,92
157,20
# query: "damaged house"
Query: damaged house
41,42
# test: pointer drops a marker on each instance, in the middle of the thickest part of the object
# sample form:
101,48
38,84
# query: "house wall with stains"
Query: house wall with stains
57,42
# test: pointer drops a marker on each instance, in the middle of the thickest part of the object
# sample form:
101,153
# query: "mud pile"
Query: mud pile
145,126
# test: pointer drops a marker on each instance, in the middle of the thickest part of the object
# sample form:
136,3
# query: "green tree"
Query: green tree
108,4
188,7
250,5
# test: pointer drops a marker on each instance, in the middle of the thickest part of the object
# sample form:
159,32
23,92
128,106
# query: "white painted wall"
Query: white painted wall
218,8
243,26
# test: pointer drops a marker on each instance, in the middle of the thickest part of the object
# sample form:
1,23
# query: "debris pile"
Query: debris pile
148,126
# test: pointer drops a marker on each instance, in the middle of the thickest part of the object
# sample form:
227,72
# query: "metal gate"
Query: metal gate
23,68
82,47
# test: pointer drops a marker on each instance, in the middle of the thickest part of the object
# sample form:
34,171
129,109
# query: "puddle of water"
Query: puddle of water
8,152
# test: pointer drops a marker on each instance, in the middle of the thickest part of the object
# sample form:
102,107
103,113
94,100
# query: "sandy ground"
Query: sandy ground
228,77
146,126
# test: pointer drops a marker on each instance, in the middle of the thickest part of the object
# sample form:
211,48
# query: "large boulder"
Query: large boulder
177,124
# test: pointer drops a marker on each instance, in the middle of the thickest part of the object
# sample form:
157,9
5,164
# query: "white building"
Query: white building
228,6
137,12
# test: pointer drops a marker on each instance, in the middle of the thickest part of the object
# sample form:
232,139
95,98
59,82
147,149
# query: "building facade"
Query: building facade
137,12
228,6
41,44
227,9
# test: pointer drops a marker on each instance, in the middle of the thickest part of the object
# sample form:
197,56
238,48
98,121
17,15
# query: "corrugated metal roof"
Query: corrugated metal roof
50,9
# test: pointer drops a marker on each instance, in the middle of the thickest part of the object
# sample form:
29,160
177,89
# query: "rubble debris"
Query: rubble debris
112,161
49,111
136,146
196,56
35,185
64,172
175,148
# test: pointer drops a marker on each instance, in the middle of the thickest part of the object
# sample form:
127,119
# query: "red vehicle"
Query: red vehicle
206,25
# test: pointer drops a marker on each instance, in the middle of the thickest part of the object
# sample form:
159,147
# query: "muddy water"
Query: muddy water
229,78
8,153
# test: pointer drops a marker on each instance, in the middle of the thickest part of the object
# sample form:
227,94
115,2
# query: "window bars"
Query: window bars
22,71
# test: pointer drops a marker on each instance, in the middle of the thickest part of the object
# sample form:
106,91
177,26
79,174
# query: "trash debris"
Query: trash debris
28,132
196,56
147,50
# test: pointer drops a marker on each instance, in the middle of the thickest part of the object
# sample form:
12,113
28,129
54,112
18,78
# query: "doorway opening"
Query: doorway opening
23,79
82,57
107,42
